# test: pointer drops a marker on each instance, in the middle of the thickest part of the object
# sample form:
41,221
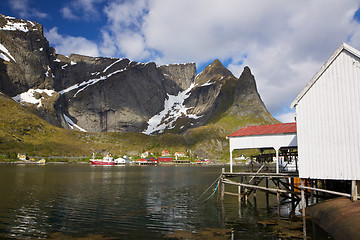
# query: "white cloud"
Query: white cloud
283,42
69,44
67,13
23,8
286,117
123,32
81,9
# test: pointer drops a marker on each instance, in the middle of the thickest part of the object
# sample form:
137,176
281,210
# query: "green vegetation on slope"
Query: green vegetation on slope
23,132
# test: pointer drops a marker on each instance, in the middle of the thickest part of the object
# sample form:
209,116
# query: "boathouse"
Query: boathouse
274,136
327,115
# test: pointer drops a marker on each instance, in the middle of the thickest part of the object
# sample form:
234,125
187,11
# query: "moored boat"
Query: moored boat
107,160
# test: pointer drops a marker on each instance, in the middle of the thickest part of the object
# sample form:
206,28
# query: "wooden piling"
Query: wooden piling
312,193
222,187
303,197
354,191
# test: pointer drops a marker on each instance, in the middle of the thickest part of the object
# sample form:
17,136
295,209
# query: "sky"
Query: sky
283,42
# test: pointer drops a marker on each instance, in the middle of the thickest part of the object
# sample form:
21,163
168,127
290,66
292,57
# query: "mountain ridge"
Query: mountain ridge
100,94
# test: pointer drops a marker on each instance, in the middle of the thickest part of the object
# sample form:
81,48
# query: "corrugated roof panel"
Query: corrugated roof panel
265,130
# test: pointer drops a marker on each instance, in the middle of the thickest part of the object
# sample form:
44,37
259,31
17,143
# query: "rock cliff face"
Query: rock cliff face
26,56
116,95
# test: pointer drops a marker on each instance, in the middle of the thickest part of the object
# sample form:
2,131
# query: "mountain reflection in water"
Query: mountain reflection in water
131,202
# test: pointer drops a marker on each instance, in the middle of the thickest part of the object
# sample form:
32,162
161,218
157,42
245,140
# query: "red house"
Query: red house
165,159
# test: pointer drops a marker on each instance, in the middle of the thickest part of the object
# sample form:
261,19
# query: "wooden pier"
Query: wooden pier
285,185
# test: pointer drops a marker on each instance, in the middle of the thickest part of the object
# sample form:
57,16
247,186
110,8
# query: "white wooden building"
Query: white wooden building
328,119
274,136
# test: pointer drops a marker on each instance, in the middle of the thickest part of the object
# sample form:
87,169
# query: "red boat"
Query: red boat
107,160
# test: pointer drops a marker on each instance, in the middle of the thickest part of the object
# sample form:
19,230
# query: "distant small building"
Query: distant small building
146,154
147,161
42,161
180,154
165,159
21,156
203,161
165,153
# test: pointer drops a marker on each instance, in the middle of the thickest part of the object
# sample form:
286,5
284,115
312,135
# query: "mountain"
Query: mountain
98,94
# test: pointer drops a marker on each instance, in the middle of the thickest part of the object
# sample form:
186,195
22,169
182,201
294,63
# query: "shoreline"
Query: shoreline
132,164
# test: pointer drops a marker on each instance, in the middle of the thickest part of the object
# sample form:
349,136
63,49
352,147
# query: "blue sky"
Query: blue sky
283,42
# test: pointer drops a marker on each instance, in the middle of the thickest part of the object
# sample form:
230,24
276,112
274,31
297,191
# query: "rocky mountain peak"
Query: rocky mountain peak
178,77
14,24
99,94
246,86
213,72
27,57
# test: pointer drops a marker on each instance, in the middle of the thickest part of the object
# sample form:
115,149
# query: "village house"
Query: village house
146,154
327,115
179,154
165,153
21,156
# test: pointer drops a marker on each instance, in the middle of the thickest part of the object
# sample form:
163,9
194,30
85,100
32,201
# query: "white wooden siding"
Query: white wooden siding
328,122
275,141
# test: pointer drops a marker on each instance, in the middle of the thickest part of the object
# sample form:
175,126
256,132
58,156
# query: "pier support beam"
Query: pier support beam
222,185
303,197
277,160
354,191
231,161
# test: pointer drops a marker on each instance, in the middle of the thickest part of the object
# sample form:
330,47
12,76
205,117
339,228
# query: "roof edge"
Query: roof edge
233,135
342,47
266,134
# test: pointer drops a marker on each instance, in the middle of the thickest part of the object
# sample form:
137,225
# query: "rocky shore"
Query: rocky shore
340,217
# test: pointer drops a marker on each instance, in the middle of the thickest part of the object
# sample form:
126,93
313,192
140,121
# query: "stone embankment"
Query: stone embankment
340,217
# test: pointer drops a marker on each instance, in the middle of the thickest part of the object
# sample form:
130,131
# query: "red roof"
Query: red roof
265,130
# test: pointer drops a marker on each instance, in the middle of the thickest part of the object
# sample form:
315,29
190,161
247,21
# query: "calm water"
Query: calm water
77,201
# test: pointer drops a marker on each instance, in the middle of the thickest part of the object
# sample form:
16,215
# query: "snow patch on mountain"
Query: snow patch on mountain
5,54
88,83
30,96
73,125
173,109
119,60
14,24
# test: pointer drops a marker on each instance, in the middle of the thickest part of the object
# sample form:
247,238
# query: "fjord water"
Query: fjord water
125,202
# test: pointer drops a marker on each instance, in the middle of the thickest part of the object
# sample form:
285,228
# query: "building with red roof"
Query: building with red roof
274,136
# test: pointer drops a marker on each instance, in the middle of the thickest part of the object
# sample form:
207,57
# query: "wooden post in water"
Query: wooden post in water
316,193
302,197
278,196
222,185
292,189
306,182
312,193
303,207
246,191
267,192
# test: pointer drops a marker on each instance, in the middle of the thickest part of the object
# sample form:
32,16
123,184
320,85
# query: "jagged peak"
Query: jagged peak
216,64
247,80
213,72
